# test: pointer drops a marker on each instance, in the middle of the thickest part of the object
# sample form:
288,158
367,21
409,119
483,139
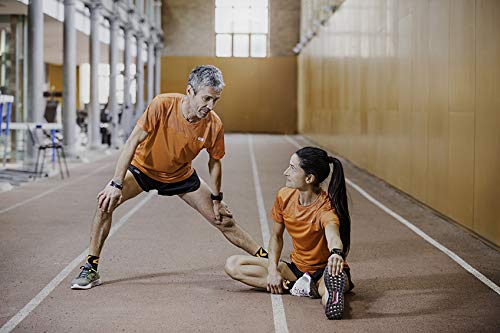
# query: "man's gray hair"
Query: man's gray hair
206,76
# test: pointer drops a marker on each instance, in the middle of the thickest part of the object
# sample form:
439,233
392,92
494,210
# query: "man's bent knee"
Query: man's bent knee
102,216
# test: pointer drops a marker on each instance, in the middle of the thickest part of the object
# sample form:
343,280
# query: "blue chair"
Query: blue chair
45,142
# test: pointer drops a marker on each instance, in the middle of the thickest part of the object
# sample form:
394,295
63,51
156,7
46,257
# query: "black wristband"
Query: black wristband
338,252
217,197
118,186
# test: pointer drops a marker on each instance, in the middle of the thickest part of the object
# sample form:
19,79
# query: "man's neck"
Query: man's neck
186,111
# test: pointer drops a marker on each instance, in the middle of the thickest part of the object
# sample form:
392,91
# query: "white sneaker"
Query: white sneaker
302,286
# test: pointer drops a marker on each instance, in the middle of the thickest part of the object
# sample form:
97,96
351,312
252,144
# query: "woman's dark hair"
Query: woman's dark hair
315,161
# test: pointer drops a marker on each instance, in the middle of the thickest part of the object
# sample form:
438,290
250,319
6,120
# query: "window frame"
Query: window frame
249,34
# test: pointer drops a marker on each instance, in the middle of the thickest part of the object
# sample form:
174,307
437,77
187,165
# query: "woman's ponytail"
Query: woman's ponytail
337,193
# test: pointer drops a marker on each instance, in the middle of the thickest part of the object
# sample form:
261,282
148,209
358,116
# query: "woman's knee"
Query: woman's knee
232,267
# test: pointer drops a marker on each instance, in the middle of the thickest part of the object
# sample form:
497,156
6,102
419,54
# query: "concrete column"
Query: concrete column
127,60
35,61
69,79
157,15
35,71
139,7
94,135
157,70
139,69
113,62
151,75
150,11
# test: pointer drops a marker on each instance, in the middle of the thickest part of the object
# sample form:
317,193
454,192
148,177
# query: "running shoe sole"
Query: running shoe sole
87,286
335,285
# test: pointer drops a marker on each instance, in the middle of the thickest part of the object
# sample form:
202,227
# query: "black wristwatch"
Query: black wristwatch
217,197
115,184
338,252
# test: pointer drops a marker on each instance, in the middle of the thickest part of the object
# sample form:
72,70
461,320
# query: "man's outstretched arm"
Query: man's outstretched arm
110,196
215,170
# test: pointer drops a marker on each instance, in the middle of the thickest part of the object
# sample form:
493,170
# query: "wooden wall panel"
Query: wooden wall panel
461,111
487,120
420,102
439,24
408,90
404,55
260,93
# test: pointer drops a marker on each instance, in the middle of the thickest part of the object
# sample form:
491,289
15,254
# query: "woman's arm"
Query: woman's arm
274,279
335,262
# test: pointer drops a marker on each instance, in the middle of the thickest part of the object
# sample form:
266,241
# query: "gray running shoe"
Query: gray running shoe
335,286
87,278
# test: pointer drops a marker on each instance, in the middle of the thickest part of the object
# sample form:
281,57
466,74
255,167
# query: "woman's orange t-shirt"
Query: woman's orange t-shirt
306,227
173,142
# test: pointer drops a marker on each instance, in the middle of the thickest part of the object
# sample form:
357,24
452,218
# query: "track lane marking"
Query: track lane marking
28,308
280,325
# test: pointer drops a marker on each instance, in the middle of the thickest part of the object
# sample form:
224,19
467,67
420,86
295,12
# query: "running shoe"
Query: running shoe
87,278
305,287
334,290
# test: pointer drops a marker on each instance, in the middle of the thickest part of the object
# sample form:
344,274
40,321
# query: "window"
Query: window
103,77
241,28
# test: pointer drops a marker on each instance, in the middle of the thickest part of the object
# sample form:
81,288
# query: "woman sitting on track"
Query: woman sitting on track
320,227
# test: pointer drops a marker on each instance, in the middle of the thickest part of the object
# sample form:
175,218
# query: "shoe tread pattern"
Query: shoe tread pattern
334,284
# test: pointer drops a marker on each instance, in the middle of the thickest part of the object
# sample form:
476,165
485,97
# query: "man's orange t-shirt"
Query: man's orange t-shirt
173,142
306,226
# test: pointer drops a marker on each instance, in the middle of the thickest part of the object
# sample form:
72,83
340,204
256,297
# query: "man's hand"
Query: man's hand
274,283
221,210
108,198
335,264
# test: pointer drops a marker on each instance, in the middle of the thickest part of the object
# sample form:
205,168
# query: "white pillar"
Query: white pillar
158,15
35,71
126,119
139,70
94,135
113,62
69,79
151,74
139,5
157,70
35,62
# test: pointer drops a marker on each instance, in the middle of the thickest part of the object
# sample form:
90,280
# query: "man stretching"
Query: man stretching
158,155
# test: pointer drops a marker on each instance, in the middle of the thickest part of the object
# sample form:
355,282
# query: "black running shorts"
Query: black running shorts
318,274
298,273
190,184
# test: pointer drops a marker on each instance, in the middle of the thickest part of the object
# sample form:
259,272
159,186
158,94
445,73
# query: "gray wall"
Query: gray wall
189,27
284,26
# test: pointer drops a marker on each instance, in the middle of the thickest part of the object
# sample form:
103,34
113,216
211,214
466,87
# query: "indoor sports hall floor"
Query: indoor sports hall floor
162,267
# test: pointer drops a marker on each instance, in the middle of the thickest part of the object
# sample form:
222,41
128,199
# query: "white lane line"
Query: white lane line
28,308
280,325
416,230
38,196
